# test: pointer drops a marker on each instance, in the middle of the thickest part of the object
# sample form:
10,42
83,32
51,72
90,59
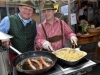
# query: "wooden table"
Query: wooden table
91,38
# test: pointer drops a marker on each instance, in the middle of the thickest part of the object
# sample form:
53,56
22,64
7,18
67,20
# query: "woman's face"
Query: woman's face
26,12
49,14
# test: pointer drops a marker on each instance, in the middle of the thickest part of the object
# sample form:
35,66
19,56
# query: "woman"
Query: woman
81,15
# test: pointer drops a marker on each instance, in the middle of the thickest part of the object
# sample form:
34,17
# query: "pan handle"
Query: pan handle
15,50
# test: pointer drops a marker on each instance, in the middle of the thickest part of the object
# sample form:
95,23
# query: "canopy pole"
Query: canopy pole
69,13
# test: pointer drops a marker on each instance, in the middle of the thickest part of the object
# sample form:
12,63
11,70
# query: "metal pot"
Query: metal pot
32,54
5,68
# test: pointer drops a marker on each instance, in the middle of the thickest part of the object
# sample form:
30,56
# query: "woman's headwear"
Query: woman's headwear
28,3
48,5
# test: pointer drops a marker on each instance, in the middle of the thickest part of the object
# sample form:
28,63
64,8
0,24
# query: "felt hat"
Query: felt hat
28,3
48,5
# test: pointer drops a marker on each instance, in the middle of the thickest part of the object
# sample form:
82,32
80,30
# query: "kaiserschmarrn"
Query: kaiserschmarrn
69,54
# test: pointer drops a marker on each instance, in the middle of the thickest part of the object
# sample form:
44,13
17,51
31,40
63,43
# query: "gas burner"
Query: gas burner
80,68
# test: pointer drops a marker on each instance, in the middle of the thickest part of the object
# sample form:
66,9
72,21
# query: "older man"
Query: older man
22,27
52,33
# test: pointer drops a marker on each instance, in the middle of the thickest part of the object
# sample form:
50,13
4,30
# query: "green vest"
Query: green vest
24,36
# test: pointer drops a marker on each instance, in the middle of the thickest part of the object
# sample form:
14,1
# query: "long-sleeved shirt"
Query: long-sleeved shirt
53,30
5,23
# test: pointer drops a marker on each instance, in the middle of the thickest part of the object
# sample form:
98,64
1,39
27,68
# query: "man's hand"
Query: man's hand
46,45
6,43
74,40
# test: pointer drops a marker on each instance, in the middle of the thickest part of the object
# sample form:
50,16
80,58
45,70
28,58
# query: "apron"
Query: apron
54,38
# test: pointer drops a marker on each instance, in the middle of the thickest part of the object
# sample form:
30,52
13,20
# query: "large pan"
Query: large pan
66,62
33,54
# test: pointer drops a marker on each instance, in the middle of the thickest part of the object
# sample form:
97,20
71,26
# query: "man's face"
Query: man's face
26,12
48,14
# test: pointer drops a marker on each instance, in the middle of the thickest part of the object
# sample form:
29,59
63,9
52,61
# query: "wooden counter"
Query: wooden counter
85,39
91,38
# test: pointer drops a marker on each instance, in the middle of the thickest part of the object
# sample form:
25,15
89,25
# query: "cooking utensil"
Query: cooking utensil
51,49
4,36
78,48
73,44
33,54
70,63
5,68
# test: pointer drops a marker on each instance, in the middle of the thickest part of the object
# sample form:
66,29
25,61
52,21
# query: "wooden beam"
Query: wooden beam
69,13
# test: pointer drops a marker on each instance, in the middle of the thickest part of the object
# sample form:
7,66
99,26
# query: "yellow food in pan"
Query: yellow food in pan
69,54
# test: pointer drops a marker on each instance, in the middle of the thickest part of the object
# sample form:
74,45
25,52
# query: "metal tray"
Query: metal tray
80,63
70,63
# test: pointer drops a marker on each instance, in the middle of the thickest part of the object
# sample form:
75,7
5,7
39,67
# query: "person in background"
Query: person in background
81,16
22,27
52,33
96,18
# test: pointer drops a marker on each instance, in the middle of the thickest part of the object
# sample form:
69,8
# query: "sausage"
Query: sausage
44,62
36,61
32,66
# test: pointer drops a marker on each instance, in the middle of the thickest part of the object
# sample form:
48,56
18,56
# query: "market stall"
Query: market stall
87,39
82,67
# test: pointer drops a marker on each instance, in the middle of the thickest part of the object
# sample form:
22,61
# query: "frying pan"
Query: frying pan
69,63
33,54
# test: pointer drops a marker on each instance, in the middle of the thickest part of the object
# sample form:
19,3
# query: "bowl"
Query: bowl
93,30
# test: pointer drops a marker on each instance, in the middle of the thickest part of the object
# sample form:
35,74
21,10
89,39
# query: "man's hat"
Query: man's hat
28,3
48,5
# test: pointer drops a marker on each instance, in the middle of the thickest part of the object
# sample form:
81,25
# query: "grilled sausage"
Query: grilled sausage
30,63
36,61
44,62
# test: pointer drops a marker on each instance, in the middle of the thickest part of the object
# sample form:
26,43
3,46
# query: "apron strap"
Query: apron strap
61,32
44,31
